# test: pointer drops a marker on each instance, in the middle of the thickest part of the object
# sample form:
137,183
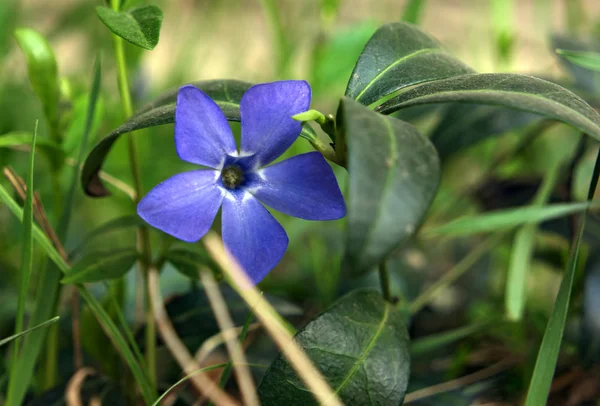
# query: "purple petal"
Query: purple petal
184,205
252,235
202,134
303,186
268,129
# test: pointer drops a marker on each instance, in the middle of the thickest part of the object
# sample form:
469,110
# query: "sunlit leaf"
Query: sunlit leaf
140,26
399,55
42,68
360,344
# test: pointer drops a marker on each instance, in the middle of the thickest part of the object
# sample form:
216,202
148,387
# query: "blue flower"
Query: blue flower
303,186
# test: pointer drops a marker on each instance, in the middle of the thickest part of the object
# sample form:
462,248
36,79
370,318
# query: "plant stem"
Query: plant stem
143,234
384,279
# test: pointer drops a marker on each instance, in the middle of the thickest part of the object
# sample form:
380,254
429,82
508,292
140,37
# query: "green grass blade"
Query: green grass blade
433,342
7,340
506,219
585,59
413,11
26,263
522,253
111,329
545,365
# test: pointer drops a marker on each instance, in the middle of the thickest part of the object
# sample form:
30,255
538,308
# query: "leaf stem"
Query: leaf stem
143,234
384,280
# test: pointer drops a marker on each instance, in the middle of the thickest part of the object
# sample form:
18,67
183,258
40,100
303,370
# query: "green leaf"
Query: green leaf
413,11
101,266
42,68
518,92
399,55
545,365
360,344
52,150
7,340
140,26
77,124
26,268
506,219
226,93
463,125
116,224
585,59
188,260
335,55
394,177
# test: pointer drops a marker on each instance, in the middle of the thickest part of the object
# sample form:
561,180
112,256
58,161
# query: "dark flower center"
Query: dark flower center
232,176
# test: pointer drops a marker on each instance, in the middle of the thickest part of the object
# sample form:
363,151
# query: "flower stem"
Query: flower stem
143,234
384,280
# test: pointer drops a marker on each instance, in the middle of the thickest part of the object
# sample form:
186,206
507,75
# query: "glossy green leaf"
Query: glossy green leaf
463,125
117,224
7,340
226,93
26,267
140,26
360,344
101,266
506,219
399,55
585,59
42,68
188,261
394,177
519,92
545,365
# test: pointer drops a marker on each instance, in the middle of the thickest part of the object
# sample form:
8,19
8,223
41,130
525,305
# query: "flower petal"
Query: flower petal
184,205
202,134
268,129
256,240
303,186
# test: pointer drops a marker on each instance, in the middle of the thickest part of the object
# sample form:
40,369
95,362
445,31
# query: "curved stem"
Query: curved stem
143,235
384,280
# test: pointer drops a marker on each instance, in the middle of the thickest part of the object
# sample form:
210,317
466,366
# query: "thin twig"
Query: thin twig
179,351
219,308
461,382
267,315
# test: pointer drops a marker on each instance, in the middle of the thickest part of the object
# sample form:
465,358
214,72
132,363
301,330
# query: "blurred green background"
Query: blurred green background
261,41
